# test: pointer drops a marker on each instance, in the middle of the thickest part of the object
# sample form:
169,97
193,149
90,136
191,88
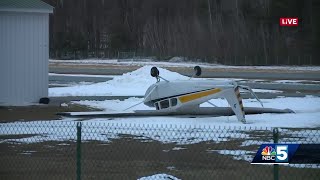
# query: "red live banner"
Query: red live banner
289,21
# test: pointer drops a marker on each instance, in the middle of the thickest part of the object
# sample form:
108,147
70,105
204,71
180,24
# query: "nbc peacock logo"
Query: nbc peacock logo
268,153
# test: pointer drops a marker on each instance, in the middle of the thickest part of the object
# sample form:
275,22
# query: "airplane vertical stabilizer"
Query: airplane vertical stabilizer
235,101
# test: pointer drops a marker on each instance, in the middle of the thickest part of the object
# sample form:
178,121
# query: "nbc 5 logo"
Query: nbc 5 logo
282,153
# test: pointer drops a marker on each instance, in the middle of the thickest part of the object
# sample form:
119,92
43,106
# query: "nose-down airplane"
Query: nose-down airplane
183,97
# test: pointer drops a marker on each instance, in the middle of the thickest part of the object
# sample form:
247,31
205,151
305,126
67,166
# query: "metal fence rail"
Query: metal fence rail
99,150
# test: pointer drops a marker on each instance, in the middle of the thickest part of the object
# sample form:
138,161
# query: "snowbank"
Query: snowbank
134,83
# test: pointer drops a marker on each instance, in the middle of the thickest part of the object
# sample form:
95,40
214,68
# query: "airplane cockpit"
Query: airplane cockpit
165,104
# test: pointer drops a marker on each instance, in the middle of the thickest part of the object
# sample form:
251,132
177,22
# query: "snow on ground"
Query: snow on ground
182,130
116,105
143,62
264,91
307,113
179,130
306,82
132,83
159,177
81,75
237,154
70,84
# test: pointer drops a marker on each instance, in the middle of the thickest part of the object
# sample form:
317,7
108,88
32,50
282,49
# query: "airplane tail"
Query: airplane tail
237,92
235,101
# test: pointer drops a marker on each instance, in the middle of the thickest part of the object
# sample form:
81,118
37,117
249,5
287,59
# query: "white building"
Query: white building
24,51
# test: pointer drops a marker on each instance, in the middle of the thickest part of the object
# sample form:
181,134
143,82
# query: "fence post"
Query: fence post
79,151
275,166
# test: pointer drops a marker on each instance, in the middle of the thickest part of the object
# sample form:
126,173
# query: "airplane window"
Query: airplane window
173,101
164,104
157,106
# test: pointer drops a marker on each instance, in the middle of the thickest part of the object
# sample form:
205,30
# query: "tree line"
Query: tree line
210,30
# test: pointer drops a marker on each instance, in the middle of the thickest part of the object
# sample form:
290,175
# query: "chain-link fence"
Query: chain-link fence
100,150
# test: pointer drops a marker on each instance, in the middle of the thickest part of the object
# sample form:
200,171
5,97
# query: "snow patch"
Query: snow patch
82,75
159,177
237,154
265,91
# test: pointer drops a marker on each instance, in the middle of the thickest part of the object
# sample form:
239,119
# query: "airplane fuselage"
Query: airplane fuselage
187,93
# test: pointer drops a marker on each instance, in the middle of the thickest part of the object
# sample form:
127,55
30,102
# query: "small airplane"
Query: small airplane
186,96
183,97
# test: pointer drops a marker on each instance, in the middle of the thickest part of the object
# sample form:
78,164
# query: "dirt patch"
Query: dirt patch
37,112
129,158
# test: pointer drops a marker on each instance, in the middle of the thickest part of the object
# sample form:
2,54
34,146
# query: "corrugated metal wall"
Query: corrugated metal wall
24,55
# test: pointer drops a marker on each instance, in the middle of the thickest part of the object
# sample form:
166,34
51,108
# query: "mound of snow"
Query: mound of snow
134,83
160,177
177,59
142,77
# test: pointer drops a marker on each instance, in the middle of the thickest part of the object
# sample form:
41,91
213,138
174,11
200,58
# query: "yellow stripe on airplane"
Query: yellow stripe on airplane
190,97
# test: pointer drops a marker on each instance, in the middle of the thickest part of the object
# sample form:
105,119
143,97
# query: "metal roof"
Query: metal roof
25,6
